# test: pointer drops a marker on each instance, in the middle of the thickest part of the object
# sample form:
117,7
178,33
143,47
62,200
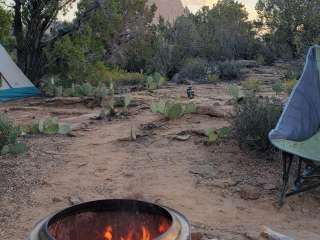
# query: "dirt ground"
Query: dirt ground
225,192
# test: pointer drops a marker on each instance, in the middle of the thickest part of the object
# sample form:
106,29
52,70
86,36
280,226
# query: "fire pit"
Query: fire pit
113,220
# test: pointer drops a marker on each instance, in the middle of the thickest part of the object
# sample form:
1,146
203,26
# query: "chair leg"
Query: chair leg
287,163
299,180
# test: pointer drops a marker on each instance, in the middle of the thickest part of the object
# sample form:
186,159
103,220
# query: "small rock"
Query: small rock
251,235
56,200
249,193
182,137
74,200
217,104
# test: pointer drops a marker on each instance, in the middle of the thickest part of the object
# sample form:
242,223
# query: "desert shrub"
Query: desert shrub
278,87
255,118
172,110
216,135
84,90
9,134
229,70
252,85
260,60
266,56
195,69
293,72
234,91
154,81
122,77
289,85
49,126
212,78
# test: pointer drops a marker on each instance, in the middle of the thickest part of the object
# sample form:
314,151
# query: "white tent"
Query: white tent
14,84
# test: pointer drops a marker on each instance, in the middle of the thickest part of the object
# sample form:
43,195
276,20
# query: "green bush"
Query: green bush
229,70
252,85
212,78
255,118
216,135
172,110
154,81
234,91
289,85
292,73
278,87
49,126
195,69
9,134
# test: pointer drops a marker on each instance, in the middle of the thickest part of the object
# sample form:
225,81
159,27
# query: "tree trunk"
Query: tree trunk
18,33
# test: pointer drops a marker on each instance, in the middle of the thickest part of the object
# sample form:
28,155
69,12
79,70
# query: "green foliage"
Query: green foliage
289,85
278,87
154,81
212,136
5,24
127,101
289,26
229,70
234,91
195,69
255,118
190,108
84,90
216,135
212,78
172,110
9,134
261,60
49,126
225,30
151,83
86,54
252,85
17,148
292,73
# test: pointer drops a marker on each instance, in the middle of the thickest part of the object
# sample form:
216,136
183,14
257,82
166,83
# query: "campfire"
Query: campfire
113,220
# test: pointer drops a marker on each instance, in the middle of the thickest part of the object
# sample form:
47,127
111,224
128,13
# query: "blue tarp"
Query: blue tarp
18,93
299,123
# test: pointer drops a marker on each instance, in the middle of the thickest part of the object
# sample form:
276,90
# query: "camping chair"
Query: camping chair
298,130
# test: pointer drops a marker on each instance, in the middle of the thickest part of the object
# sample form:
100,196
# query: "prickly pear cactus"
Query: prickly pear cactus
173,111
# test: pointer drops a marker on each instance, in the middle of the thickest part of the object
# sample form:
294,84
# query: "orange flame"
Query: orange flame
129,236
163,227
145,233
108,233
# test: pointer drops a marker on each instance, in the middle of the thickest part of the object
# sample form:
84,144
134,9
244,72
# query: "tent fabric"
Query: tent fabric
15,84
18,93
297,131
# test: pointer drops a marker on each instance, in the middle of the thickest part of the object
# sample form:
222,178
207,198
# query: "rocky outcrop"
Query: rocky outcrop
168,9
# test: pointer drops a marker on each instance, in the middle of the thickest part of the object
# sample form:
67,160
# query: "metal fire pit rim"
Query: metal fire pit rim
42,226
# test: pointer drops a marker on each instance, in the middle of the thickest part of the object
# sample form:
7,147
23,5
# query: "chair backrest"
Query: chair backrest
318,59
300,119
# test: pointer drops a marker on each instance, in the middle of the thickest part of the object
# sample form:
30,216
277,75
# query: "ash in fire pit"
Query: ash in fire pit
113,220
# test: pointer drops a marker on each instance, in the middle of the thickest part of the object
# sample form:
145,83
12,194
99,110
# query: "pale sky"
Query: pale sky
194,5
